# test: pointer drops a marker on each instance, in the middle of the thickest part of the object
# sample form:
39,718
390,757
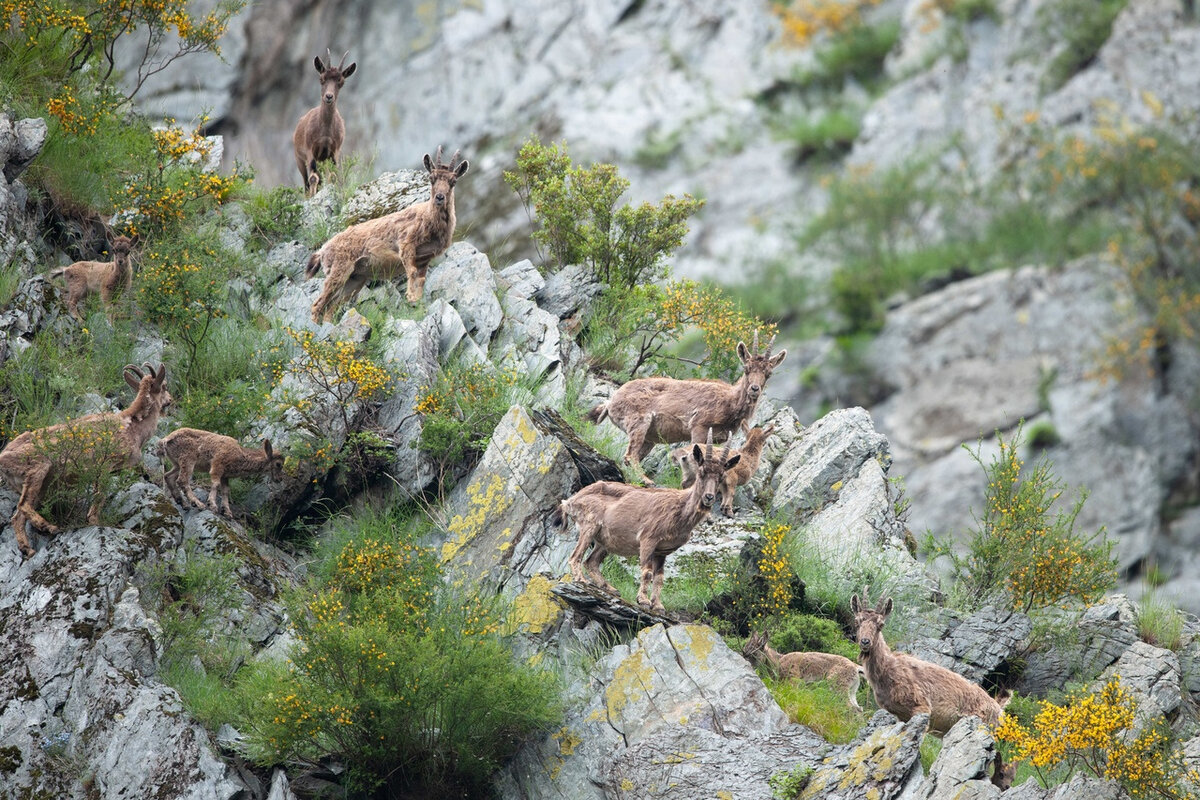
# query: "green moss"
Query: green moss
10,759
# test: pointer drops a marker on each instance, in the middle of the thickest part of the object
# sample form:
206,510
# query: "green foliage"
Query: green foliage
87,461
970,10
855,53
826,135
1077,29
795,632
391,678
225,389
274,216
1159,622
788,785
818,706
579,221
931,748
1023,549
459,412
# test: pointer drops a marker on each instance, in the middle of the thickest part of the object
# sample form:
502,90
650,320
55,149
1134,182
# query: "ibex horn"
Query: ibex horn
328,58
771,343
133,368
756,341
708,454
438,161
343,61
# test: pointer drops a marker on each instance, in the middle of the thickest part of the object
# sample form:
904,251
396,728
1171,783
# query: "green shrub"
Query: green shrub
1023,550
460,411
788,785
274,216
807,633
579,221
857,53
399,678
1159,622
827,135
1078,28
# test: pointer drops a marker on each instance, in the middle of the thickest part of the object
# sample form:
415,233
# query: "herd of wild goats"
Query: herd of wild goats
645,522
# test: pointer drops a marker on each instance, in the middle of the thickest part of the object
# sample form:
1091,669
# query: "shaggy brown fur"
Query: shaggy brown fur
807,666
25,462
380,248
649,523
105,277
665,410
320,132
221,457
751,453
906,685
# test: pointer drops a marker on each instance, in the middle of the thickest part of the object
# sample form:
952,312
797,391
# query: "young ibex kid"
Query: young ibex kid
27,462
380,248
666,410
221,457
320,132
105,277
906,685
649,523
840,671
751,453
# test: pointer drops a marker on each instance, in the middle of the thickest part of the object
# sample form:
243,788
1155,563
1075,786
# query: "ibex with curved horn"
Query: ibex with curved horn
115,439
320,132
380,248
666,410
649,523
906,685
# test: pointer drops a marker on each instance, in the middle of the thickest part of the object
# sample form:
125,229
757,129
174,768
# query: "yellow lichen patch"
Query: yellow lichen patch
631,680
521,426
626,785
724,795
486,496
873,759
702,640
567,741
534,609
873,793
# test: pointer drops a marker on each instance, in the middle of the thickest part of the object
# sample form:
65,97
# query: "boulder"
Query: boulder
464,279
963,767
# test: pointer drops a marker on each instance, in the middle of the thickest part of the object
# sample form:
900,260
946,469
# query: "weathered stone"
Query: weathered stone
882,763
387,194
523,279
529,342
1079,787
465,280
568,291
963,768
980,645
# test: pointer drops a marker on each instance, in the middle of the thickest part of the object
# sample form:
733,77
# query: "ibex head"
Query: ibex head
710,469
333,78
759,365
869,621
442,176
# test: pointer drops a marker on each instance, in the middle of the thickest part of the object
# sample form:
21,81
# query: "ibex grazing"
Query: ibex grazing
906,685
221,457
320,132
104,277
840,671
751,453
666,410
28,460
380,248
649,523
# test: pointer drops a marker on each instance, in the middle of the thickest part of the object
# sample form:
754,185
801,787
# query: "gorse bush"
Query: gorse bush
397,677
1023,549
459,412
1097,732
805,19
579,221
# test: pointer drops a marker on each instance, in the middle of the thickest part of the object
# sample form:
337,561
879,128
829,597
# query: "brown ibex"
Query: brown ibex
906,685
28,460
221,457
104,277
751,453
320,132
666,410
649,523
840,671
380,248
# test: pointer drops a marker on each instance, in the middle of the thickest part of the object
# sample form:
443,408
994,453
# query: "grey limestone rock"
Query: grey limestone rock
465,280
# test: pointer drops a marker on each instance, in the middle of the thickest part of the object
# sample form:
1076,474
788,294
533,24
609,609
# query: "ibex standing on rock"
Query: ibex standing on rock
666,410
105,277
649,523
321,131
906,685
221,457
28,460
380,248
807,666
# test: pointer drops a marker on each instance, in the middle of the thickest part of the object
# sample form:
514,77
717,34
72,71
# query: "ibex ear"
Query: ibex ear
462,169
778,359
348,71
267,448
885,606
428,163
317,63
698,455
732,462
742,352
855,606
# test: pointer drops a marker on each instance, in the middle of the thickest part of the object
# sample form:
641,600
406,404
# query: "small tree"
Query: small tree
579,221
1022,548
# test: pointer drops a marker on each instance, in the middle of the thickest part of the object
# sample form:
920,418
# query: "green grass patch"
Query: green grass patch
818,706
1079,28
856,53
